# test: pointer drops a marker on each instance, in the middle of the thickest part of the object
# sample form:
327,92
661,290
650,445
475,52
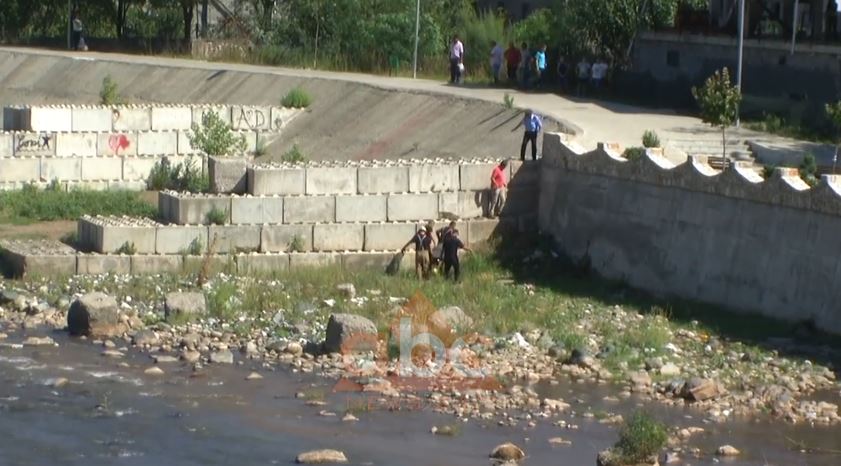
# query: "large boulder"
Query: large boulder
698,389
187,304
350,333
508,452
451,320
321,457
95,314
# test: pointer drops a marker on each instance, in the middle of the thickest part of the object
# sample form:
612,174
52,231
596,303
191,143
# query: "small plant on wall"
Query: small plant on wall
297,98
109,93
215,136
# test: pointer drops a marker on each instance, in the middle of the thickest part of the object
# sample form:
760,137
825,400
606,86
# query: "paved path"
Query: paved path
594,121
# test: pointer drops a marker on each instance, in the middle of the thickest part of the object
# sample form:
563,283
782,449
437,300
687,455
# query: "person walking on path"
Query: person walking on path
452,244
599,73
456,60
496,60
423,252
540,62
532,124
525,61
498,186
512,60
77,27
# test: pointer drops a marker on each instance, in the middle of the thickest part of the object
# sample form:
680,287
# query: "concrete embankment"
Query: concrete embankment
347,120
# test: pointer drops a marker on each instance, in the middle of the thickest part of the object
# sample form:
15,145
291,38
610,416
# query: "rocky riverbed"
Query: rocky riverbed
510,379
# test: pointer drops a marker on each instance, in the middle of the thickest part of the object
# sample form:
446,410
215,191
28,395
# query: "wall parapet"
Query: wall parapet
784,188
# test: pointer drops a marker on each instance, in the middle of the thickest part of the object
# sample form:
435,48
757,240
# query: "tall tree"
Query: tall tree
188,8
719,100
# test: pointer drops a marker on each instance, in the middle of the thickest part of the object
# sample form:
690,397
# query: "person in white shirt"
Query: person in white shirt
599,73
582,72
456,60
496,60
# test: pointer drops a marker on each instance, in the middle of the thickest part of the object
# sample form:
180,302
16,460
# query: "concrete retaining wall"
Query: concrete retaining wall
729,238
130,171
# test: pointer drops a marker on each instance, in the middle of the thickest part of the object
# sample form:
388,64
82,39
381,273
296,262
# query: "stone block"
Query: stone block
20,169
262,264
126,185
174,239
138,168
309,209
282,116
194,210
155,264
402,207
48,119
269,181
234,238
273,209
331,180
366,260
475,176
228,174
75,144
171,118
95,264
338,237
463,204
37,257
91,119
157,143
184,146
110,239
387,236
251,118
222,111
116,144
34,144
279,238
7,145
484,229
433,178
247,210
373,180
102,168
315,259
131,119
62,169
218,263
362,208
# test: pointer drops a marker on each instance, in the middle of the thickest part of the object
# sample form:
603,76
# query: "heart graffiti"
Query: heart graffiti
118,142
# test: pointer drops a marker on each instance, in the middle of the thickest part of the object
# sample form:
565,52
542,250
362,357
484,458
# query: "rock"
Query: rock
253,376
653,364
190,356
39,341
350,333
699,389
350,418
559,441
347,289
555,405
222,357
640,379
727,450
449,320
507,452
321,457
669,458
57,382
558,352
184,304
145,338
293,348
190,340
669,370
112,353
545,341
250,348
95,314
154,371
580,357
164,359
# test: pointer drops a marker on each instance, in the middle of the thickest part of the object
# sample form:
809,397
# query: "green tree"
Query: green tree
719,101
215,136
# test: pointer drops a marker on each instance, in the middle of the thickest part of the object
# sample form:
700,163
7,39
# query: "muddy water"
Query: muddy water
110,414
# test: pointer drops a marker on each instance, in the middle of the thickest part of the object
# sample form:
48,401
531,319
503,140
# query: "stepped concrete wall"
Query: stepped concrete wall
728,238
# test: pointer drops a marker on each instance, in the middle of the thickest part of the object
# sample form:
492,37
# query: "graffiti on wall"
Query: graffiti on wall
118,143
34,144
245,118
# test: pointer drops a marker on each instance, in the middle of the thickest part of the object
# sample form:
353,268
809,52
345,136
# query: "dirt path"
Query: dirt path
50,230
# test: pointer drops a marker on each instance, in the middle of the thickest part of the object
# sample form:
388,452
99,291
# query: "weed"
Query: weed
768,171
194,249
109,93
222,301
217,216
808,169
641,437
296,98
184,176
634,153
508,101
127,248
296,244
294,155
650,139
215,136
31,204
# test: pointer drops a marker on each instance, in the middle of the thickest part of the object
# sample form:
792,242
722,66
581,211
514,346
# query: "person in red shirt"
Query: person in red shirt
499,183
513,57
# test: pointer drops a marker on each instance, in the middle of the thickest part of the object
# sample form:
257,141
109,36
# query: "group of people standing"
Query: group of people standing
523,66
432,253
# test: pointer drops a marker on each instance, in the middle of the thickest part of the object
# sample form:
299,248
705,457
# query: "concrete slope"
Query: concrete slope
348,119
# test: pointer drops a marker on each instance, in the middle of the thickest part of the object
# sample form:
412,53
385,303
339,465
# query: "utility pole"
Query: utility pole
741,49
69,24
417,36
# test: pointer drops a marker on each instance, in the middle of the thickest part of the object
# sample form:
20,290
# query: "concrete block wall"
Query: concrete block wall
724,237
124,172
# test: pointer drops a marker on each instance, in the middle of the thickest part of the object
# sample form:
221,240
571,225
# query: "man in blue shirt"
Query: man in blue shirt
532,124
540,58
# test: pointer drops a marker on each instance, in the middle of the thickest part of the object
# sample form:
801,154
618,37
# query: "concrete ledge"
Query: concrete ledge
38,257
331,180
154,264
377,180
95,264
303,209
279,238
433,178
338,237
269,181
402,207
364,208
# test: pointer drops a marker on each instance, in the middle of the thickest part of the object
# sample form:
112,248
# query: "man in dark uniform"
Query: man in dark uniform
452,244
423,252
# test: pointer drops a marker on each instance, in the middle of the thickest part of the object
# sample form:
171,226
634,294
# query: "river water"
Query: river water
112,414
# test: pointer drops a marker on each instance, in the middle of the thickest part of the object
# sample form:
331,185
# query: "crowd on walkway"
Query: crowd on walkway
527,67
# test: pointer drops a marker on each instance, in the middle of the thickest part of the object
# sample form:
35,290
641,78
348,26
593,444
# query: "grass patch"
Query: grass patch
296,98
184,176
294,155
508,101
31,204
641,437
217,216
109,93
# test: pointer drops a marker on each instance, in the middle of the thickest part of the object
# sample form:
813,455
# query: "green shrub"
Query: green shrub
185,176
109,93
127,248
217,216
297,98
634,153
650,139
508,101
215,136
294,155
641,437
809,169
768,171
